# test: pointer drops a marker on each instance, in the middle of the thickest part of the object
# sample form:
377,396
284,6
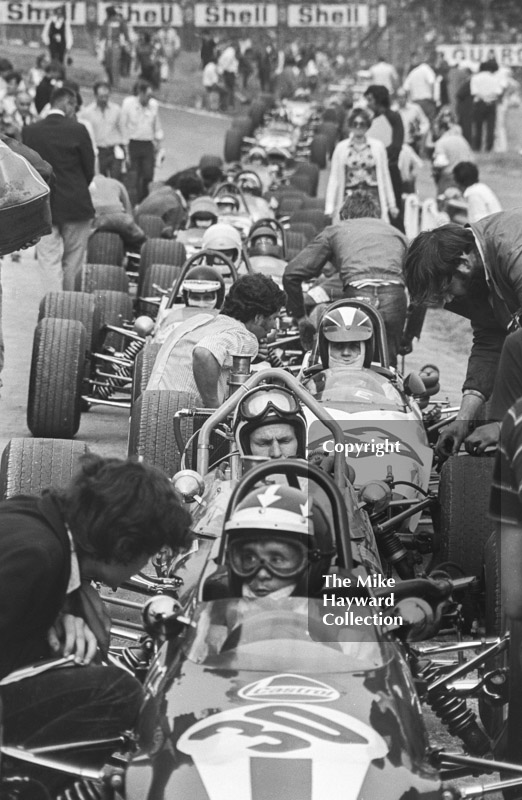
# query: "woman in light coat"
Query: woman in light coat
360,162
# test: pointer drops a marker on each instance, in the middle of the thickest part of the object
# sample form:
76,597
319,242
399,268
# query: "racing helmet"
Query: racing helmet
203,213
346,324
224,238
227,203
286,514
201,281
256,155
268,405
263,242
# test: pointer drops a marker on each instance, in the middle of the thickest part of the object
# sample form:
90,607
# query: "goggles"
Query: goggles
259,404
246,563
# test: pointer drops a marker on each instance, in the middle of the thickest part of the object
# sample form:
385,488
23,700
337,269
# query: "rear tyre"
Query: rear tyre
30,465
152,432
314,216
93,277
305,228
295,241
243,124
143,369
55,383
160,251
312,172
256,112
80,306
105,247
492,715
233,142
151,225
114,308
162,275
301,182
464,489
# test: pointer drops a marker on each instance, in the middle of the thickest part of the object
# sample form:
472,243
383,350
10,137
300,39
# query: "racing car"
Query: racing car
286,133
262,697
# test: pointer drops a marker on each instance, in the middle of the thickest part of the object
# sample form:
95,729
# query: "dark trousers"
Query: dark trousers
508,382
141,156
484,114
390,301
109,165
229,79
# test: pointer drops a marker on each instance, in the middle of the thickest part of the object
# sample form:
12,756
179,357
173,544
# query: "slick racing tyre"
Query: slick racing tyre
79,306
30,465
151,431
92,277
114,308
55,383
143,369
105,247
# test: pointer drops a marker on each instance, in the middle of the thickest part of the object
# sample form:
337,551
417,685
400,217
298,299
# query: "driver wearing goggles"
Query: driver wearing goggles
278,543
269,422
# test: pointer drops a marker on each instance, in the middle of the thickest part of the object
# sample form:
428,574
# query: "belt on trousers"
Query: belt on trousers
372,282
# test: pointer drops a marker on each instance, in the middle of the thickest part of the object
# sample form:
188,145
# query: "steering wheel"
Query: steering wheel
194,260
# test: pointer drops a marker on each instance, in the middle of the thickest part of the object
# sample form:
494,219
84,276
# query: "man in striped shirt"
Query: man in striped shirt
197,357
506,508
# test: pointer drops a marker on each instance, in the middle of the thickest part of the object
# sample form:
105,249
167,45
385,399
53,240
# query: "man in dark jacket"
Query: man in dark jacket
475,272
369,256
66,145
104,526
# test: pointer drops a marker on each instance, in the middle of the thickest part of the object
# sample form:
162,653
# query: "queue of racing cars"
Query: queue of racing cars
266,699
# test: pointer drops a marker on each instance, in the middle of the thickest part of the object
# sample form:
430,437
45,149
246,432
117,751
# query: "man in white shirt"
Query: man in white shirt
486,89
104,117
384,74
482,201
421,85
142,130
416,123
197,356
228,66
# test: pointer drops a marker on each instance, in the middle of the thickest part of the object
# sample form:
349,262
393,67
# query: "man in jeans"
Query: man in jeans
369,255
66,145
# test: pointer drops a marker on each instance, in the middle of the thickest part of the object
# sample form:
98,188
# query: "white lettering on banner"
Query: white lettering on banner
145,15
236,15
315,15
35,12
509,55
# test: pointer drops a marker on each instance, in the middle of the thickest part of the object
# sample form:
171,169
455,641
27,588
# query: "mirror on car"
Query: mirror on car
414,385
189,484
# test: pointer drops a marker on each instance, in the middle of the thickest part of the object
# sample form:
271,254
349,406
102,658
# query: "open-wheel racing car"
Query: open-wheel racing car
270,699
288,132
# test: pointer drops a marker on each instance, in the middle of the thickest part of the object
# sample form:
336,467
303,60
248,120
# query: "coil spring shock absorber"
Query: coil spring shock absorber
393,550
453,711
120,371
274,360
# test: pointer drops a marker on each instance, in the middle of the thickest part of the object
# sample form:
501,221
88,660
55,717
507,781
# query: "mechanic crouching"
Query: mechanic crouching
197,357
476,272
369,254
105,526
